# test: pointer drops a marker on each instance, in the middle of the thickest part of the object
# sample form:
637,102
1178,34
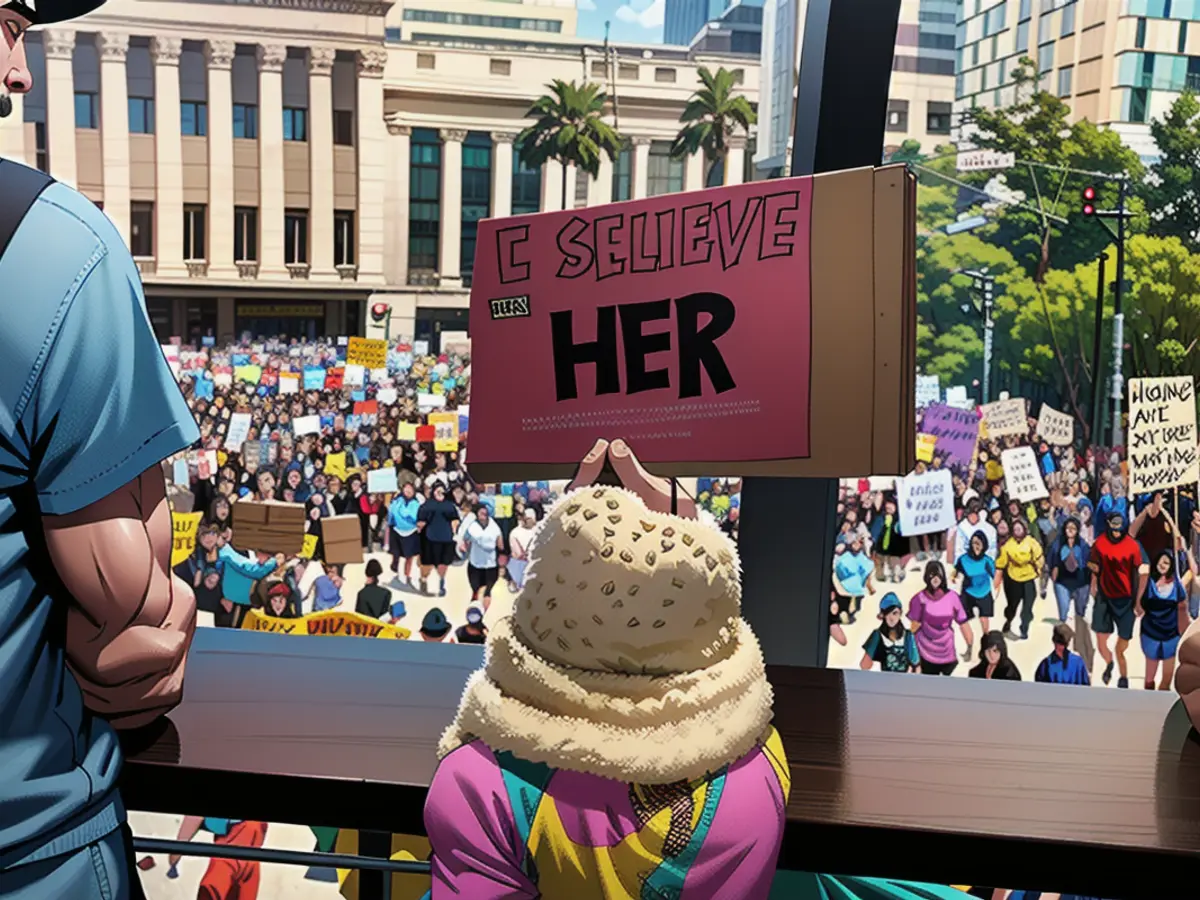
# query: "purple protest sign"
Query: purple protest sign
956,430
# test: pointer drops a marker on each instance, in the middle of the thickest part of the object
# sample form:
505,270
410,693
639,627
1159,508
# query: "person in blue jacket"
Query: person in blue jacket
237,582
404,538
1068,565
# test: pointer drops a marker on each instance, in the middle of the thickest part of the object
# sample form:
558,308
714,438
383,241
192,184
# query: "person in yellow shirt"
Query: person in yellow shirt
1017,568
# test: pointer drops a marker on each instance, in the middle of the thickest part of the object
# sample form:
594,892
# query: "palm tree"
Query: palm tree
712,117
570,128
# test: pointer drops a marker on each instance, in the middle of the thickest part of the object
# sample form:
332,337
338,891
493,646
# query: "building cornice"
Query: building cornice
350,7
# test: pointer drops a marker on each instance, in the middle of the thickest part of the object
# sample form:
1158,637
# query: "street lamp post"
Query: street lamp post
984,286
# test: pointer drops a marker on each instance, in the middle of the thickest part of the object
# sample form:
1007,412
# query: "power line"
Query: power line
983,193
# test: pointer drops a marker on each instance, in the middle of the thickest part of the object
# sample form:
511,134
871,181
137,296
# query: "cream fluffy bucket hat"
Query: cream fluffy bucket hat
626,655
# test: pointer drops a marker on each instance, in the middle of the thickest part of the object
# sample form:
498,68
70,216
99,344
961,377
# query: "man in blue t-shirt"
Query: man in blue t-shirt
94,628
1062,666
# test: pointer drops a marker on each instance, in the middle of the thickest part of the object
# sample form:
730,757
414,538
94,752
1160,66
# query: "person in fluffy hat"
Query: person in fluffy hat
617,742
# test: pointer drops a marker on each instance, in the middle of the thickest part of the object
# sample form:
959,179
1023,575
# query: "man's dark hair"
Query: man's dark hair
374,569
1063,634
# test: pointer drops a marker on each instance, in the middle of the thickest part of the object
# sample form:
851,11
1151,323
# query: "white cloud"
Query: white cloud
646,13
585,5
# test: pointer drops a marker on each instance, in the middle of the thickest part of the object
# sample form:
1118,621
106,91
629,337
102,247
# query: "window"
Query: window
501,67
1023,37
343,127
664,76
622,188
897,115
627,71
1045,58
294,124
1068,20
193,232
526,188
1139,39
599,69
43,154
343,237
1138,101
1147,76
193,118
141,115
295,236
87,110
1182,45
581,188
245,121
937,117
425,61
1026,10
141,228
664,174
975,53
1064,81
424,199
994,19
245,234
478,20
476,195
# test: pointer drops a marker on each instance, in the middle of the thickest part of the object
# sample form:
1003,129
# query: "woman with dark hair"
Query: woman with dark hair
481,541
933,611
313,513
438,522
977,570
993,659
1017,567
891,644
1068,569
1163,609
220,514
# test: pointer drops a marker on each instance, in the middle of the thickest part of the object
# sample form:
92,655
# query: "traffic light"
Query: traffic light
379,312
1089,201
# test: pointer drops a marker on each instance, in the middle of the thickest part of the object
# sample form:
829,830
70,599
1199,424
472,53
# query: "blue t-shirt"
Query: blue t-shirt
402,514
87,403
852,570
977,574
1161,621
1071,563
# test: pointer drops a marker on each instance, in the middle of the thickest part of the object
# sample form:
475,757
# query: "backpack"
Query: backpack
21,186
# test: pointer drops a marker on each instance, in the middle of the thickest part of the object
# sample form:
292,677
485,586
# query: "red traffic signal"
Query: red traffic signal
379,312
1089,201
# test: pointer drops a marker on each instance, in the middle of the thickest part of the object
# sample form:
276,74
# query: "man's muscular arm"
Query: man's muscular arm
131,622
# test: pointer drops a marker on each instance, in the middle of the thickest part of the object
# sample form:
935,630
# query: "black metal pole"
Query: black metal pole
1119,320
841,108
1097,362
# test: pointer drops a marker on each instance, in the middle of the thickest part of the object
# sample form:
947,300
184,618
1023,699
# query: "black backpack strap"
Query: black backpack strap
20,186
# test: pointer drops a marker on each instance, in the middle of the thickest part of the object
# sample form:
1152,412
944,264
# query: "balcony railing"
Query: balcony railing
1078,790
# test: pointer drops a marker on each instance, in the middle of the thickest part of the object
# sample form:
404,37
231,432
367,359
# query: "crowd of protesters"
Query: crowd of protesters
1099,564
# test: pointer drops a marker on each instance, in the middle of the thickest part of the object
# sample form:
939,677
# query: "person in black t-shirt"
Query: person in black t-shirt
374,600
474,632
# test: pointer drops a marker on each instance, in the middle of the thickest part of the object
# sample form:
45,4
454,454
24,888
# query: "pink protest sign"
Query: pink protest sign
681,323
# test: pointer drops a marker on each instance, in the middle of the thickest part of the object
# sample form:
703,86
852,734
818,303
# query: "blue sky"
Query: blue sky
637,21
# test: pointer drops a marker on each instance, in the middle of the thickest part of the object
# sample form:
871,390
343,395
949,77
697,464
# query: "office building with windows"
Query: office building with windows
1119,63
683,19
739,29
920,96
280,169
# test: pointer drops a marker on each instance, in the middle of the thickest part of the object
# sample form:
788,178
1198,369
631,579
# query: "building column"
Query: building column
220,160
395,257
168,159
59,46
600,188
112,48
735,160
571,175
372,164
451,212
694,168
271,58
320,158
12,131
502,173
552,182
641,167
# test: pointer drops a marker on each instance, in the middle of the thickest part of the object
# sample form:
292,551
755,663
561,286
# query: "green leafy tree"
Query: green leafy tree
715,113
1162,310
937,195
1173,192
569,129
909,151
1036,129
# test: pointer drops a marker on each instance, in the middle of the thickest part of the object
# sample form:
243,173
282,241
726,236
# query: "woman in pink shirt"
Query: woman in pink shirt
933,612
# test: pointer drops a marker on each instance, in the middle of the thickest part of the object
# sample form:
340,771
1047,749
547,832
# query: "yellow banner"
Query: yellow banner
248,374
370,353
925,445
184,527
445,431
335,465
331,621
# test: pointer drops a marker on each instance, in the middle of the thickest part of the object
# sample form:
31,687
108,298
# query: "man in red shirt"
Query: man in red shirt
1115,562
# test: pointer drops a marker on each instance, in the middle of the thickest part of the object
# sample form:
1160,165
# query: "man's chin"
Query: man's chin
6,106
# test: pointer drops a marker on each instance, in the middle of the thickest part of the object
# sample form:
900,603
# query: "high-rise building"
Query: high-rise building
483,22
683,19
1119,64
739,29
920,98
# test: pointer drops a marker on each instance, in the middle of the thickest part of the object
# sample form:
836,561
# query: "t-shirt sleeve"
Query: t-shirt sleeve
960,613
106,407
471,830
916,608
871,644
